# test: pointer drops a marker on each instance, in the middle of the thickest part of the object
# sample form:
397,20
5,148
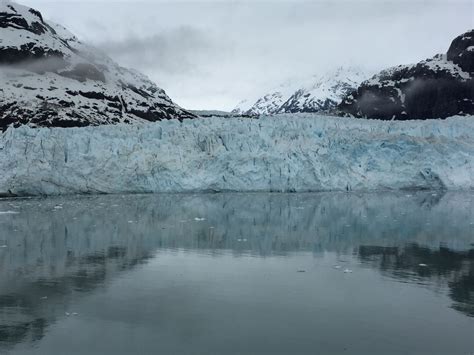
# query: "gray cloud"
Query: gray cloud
175,51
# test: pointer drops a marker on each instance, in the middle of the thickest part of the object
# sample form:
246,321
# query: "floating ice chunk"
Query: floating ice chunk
199,219
422,265
9,212
337,267
347,271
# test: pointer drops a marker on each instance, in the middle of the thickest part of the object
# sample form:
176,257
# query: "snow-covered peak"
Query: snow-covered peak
271,100
311,94
20,14
50,78
326,91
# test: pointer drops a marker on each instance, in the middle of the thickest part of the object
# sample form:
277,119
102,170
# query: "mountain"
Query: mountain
325,93
439,87
314,94
270,102
49,78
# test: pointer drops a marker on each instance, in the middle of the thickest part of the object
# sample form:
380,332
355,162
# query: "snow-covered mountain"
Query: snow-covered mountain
49,78
326,92
439,87
315,94
270,102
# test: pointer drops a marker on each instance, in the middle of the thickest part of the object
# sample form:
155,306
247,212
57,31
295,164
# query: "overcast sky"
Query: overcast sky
213,54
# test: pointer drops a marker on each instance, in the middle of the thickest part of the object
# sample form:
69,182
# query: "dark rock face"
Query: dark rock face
461,51
11,18
435,88
51,79
83,71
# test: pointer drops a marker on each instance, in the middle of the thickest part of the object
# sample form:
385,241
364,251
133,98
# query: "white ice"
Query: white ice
300,152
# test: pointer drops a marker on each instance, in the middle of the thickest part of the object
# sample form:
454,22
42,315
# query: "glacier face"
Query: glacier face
298,152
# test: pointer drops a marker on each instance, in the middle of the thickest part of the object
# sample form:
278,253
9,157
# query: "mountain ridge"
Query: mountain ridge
314,94
438,87
50,78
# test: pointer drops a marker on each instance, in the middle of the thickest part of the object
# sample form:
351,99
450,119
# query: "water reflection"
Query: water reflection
431,267
55,251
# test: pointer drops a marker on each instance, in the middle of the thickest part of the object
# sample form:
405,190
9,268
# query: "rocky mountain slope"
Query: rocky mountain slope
49,78
315,94
439,87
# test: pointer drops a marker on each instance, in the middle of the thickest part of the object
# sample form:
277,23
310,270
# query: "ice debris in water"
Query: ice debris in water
347,271
9,212
422,265
199,219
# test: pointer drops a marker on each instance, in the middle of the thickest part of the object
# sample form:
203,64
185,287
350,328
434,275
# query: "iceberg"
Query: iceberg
288,153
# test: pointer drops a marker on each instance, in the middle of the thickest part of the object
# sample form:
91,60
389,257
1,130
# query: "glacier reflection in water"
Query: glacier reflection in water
238,273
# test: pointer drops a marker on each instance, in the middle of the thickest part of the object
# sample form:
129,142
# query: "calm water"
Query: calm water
324,273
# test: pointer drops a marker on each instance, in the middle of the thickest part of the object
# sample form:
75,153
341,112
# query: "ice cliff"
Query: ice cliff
298,152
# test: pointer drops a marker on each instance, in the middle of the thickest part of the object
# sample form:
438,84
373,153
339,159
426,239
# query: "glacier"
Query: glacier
287,152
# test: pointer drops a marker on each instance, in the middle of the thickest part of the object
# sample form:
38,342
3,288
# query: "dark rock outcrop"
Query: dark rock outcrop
439,87
49,78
